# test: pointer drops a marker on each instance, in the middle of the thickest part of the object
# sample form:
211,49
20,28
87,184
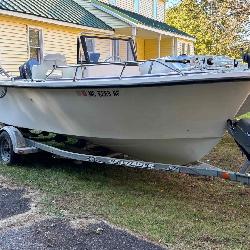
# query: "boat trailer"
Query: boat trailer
13,143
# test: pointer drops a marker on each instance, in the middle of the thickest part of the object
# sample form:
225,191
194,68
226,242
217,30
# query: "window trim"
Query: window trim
188,49
115,46
183,48
137,6
41,41
155,9
113,2
93,44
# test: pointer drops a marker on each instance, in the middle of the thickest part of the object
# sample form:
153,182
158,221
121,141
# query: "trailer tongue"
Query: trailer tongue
12,143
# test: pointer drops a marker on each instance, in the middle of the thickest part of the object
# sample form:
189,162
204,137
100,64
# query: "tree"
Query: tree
219,26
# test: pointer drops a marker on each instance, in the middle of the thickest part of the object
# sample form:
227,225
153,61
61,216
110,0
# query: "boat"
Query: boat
168,110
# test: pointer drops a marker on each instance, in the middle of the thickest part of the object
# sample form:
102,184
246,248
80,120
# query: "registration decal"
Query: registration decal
99,93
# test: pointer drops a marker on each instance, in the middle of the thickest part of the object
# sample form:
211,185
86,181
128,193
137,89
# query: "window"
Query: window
116,50
35,43
155,8
183,48
130,56
90,44
136,6
113,2
188,49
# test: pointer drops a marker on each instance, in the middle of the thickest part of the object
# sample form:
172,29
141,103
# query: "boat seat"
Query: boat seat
94,57
46,70
152,67
48,63
110,71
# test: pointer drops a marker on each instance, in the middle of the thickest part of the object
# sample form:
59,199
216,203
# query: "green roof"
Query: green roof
140,19
60,10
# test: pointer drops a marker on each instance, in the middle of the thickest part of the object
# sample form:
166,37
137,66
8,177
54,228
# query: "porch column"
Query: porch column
159,46
174,44
134,33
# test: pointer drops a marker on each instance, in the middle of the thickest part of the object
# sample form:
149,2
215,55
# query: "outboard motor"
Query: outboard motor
210,61
240,131
26,69
246,57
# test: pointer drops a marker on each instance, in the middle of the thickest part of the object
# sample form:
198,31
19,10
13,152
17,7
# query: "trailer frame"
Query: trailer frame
20,145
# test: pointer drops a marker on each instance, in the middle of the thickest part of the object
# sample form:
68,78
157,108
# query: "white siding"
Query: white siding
128,4
161,11
104,48
108,19
179,46
146,7
166,47
123,50
14,41
13,45
59,41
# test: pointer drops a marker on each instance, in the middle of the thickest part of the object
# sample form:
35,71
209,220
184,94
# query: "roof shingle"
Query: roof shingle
60,10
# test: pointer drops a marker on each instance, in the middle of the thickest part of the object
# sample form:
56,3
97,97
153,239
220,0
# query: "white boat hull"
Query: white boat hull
172,124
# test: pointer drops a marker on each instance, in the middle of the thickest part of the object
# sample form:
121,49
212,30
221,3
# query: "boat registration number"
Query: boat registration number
99,93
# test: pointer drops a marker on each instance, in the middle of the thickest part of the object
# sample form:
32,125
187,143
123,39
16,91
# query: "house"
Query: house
31,29
144,20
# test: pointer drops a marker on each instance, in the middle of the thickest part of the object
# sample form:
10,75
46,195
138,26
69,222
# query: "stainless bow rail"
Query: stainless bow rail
125,64
21,145
3,72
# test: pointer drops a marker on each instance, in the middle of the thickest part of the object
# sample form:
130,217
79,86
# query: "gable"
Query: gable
67,11
137,19
143,7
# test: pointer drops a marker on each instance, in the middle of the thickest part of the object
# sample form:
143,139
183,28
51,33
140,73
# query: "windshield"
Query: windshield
100,49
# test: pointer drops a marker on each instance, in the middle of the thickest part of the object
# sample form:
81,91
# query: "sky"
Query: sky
170,3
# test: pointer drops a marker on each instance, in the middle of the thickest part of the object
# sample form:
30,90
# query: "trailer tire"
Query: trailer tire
7,154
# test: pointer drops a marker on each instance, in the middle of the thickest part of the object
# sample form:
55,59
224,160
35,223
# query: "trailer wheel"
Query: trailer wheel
7,155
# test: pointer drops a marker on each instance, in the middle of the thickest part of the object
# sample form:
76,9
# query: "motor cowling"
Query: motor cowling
26,69
246,58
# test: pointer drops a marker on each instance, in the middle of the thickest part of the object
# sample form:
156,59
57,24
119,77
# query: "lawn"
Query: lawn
179,211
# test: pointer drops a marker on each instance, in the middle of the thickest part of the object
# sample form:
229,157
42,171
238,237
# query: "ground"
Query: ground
23,226
174,211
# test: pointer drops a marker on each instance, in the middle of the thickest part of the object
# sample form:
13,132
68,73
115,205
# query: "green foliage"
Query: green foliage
218,26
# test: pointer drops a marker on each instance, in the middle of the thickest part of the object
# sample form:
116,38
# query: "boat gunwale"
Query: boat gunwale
98,83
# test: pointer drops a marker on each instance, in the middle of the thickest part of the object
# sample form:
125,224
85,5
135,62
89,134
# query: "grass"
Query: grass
179,211
247,115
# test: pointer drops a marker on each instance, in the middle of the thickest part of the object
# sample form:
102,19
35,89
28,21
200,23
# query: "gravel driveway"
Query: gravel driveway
23,227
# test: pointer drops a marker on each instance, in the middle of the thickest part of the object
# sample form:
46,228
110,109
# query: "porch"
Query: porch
149,44
154,39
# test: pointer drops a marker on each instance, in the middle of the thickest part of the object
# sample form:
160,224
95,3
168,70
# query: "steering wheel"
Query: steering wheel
113,58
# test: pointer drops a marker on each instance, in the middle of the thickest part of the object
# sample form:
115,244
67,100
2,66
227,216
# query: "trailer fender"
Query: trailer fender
20,145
